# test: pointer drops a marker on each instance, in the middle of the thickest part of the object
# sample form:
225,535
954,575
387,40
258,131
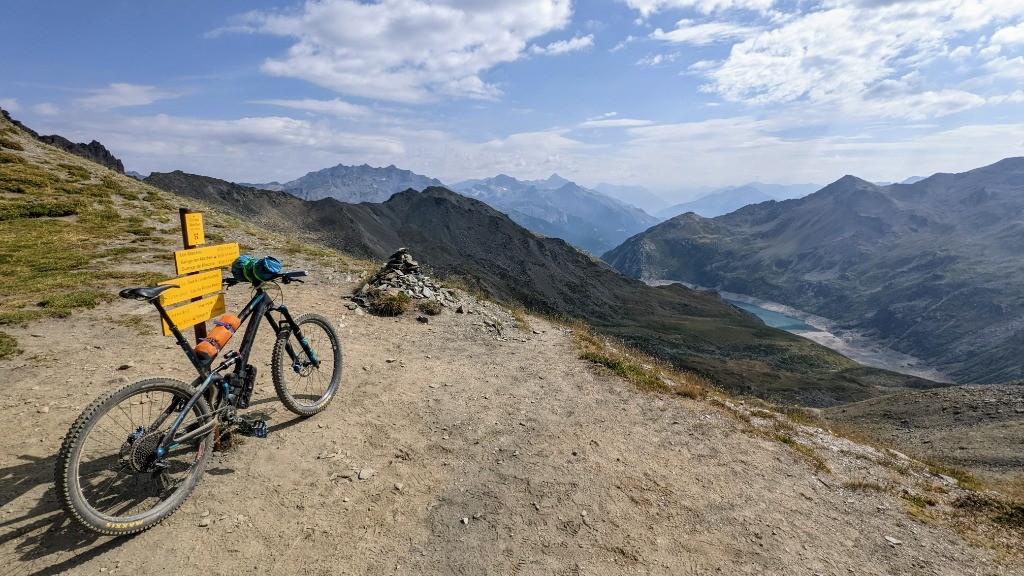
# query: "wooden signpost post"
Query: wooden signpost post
198,268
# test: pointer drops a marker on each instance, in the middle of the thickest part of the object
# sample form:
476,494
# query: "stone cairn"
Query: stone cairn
402,274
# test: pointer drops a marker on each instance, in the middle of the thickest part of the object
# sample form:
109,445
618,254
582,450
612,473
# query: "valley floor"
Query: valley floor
482,453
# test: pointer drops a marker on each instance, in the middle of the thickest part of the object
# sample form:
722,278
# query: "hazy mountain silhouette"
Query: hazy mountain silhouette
562,209
353,184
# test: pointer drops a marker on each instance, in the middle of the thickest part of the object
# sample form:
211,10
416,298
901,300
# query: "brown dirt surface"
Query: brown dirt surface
480,452
977,427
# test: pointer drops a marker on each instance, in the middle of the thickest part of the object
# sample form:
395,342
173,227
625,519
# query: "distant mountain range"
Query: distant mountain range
636,195
455,235
932,269
725,200
352,184
553,207
562,209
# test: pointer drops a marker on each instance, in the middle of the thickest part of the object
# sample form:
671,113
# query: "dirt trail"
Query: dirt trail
479,454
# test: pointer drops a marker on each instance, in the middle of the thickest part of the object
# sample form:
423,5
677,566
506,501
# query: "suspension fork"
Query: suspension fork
289,325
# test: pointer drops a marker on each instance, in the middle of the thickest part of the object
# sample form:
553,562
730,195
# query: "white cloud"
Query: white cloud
118,95
689,32
912,105
657,60
1009,35
845,53
991,51
730,150
46,109
406,50
564,46
1006,67
961,53
336,107
9,104
648,7
615,123
623,44
1014,98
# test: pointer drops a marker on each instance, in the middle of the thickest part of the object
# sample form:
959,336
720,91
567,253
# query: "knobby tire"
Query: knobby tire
104,475
304,389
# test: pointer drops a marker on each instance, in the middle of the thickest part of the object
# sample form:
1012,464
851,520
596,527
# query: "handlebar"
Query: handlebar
286,278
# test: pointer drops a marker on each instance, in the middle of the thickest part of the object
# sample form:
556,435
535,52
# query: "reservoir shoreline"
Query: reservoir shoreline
828,333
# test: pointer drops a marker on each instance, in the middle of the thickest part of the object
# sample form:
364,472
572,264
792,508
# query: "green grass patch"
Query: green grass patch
24,179
14,210
807,452
965,479
10,143
76,173
8,346
21,317
78,299
430,307
634,366
390,304
919,500
1001,510
118,251
8,158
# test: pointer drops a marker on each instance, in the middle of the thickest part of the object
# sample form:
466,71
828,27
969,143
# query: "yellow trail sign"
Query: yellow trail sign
190,287
205,258
193,224
196,312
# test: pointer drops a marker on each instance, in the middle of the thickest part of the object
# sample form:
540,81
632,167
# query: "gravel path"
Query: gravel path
453,449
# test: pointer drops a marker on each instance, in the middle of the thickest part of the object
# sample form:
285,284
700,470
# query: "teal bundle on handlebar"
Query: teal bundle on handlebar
248,268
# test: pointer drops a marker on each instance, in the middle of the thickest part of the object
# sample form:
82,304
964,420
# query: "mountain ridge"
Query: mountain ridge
929,269
559,208
353,184
462,236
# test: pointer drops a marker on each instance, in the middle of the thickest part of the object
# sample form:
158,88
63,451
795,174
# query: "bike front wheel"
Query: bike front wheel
306,377
109,476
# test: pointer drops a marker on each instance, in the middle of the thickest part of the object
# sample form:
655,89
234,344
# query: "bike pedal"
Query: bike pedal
257,428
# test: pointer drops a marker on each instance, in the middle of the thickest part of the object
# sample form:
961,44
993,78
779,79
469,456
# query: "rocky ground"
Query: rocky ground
976,427
471,444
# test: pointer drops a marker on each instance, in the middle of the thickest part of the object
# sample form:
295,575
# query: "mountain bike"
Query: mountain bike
135,454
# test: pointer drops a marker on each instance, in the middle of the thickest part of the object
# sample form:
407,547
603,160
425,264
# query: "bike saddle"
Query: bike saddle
146,293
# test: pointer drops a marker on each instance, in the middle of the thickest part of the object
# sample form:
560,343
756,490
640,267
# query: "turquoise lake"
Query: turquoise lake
775,319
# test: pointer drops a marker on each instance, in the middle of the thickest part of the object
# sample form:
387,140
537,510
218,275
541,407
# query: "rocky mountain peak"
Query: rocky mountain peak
93,151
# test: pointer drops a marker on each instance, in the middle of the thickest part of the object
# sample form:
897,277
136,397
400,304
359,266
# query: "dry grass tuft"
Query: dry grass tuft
430,307
390,304
8,346
636,367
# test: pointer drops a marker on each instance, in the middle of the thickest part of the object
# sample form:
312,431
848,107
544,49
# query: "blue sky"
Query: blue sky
667,94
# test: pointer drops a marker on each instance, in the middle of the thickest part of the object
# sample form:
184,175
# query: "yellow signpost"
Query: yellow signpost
190,287
193,228
199,274
195,312
205,258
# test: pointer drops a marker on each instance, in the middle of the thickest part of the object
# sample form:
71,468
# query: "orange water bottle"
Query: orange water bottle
209,347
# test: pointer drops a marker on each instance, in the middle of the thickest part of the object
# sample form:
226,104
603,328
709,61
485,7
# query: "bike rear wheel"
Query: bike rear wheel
108,476
304,385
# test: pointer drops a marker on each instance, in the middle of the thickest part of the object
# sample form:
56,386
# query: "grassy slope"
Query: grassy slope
73,233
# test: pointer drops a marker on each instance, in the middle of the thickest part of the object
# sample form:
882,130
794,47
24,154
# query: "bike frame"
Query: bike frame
260,306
